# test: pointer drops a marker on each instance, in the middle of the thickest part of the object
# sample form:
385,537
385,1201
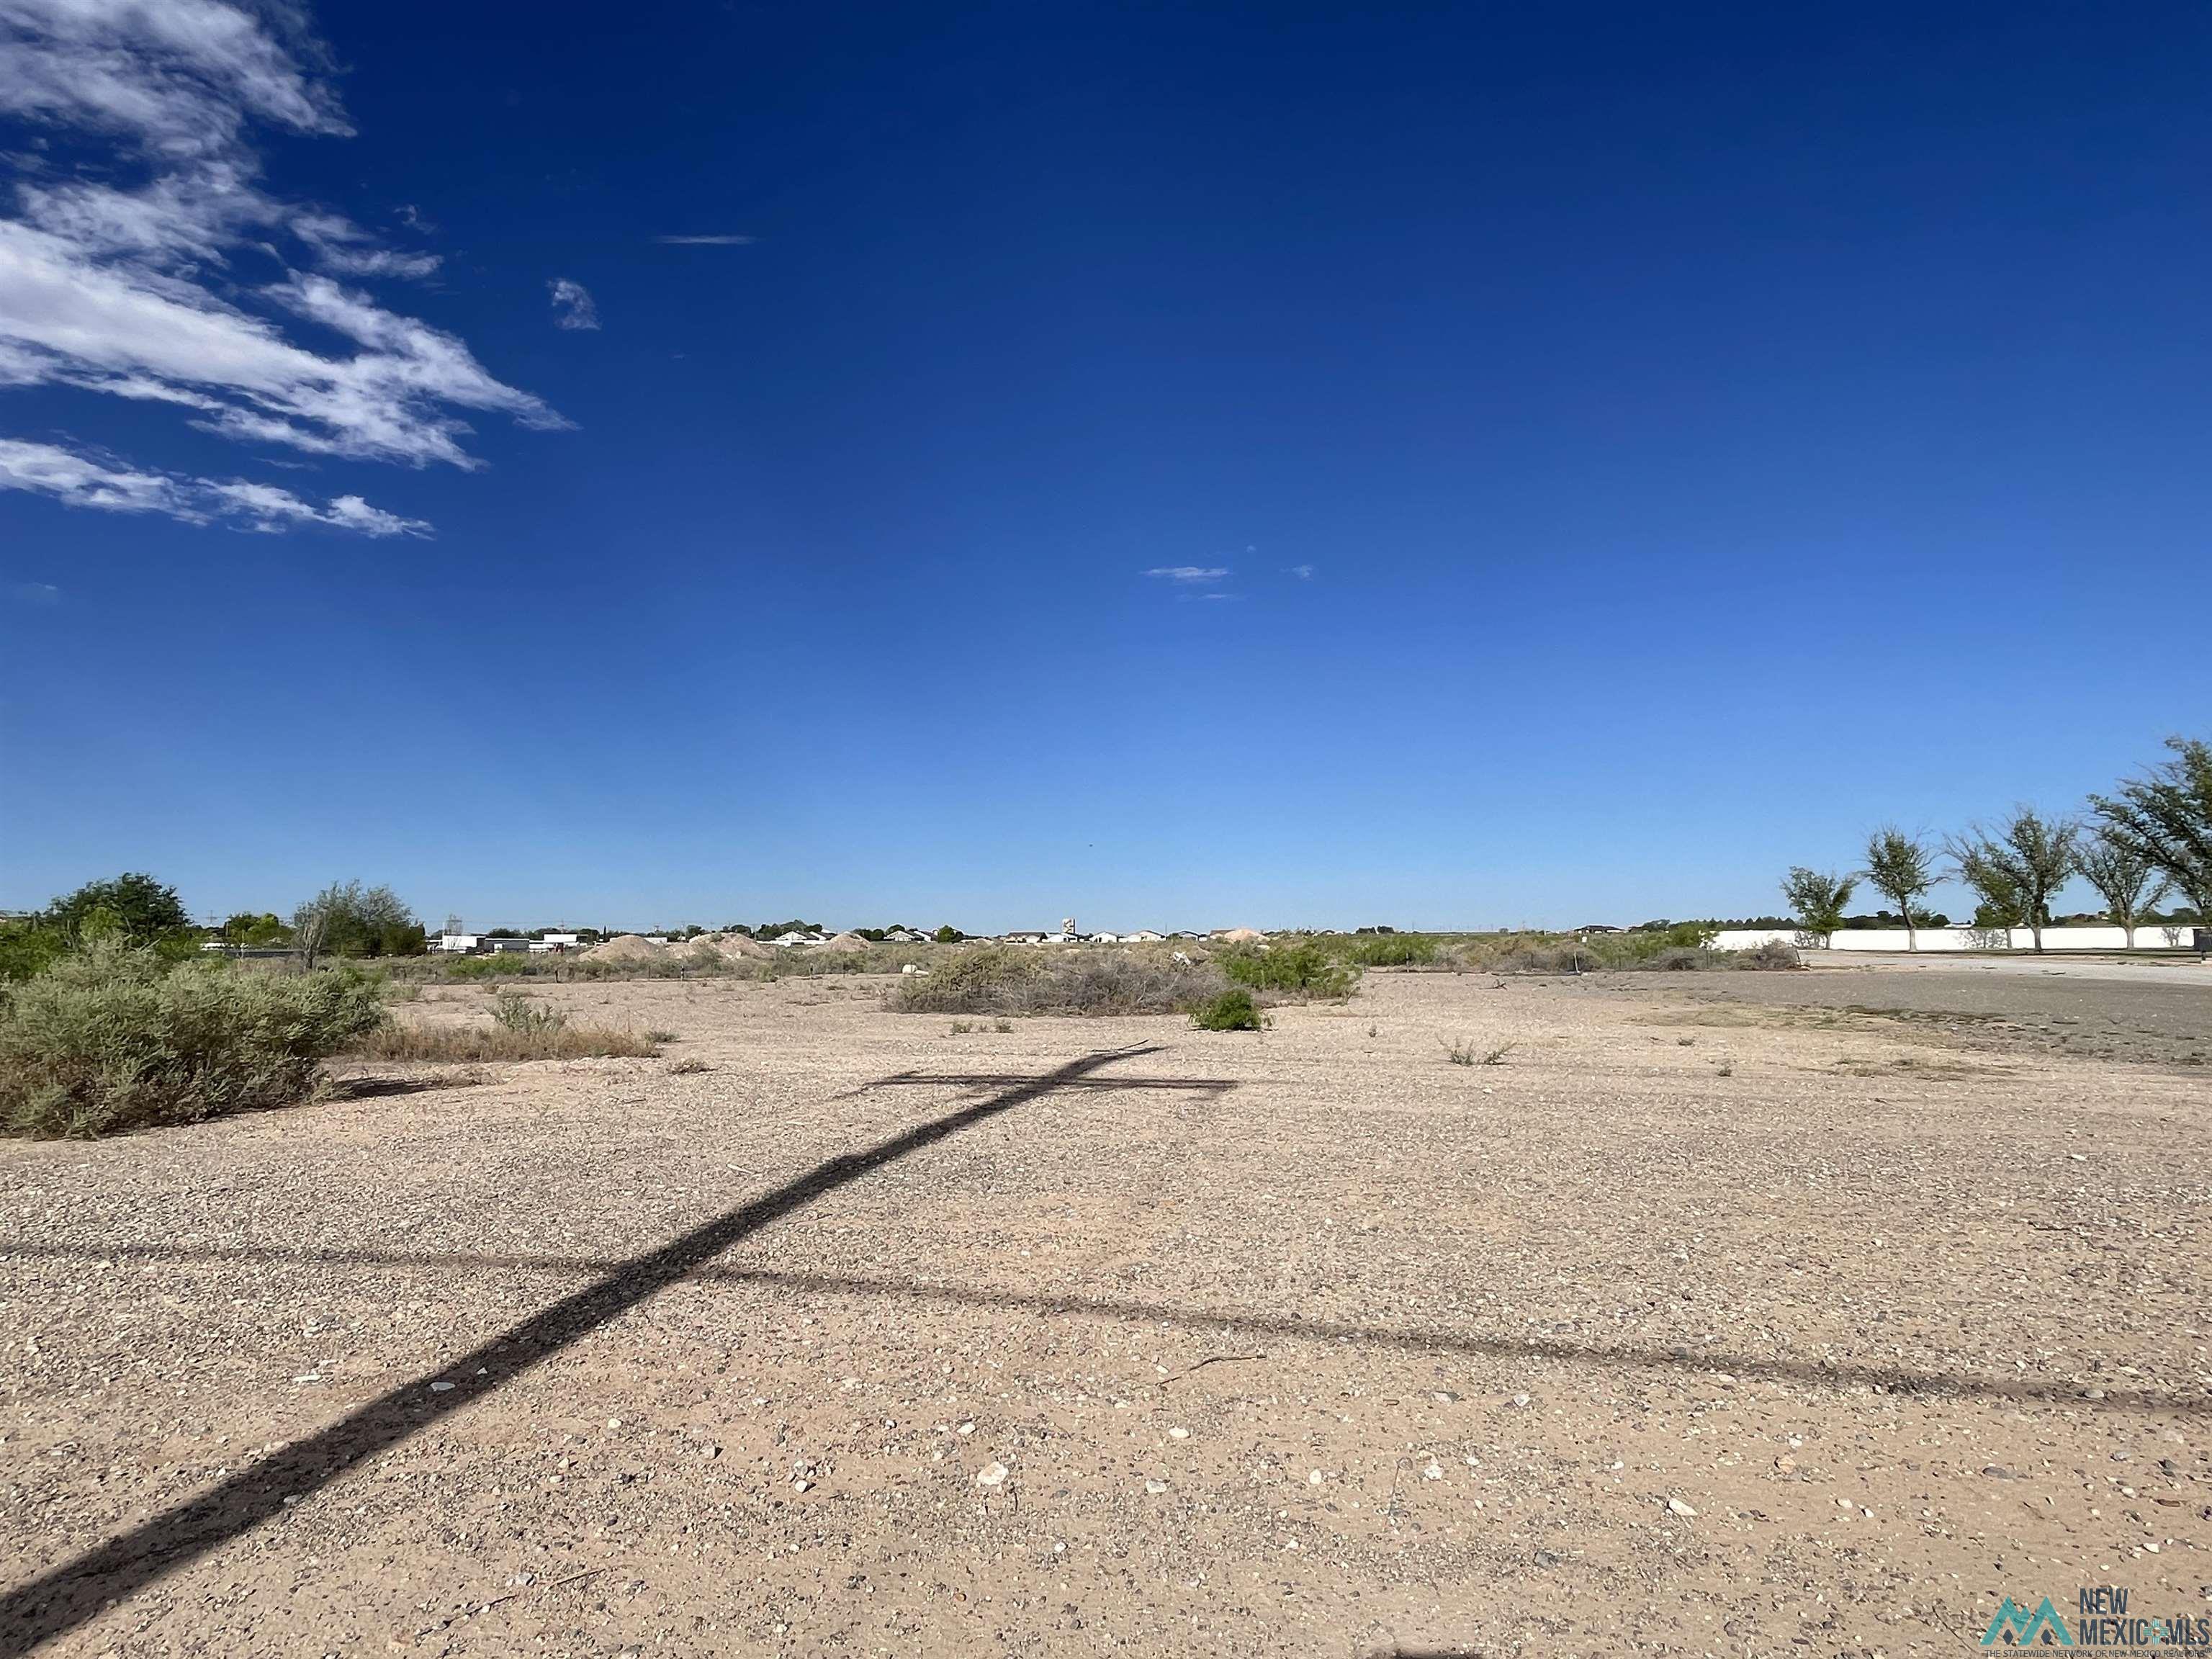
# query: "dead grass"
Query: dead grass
470,1044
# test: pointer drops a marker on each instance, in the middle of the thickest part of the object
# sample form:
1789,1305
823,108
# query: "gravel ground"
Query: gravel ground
2155,1013
1692,1326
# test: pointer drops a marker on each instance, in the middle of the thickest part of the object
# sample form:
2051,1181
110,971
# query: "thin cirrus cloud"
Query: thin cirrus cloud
1188,574
707,242
83,480
148,290
573,305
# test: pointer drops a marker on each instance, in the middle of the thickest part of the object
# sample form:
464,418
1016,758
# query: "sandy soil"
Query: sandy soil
1706,1321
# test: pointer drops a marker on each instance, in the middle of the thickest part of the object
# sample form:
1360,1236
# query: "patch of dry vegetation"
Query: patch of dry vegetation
999,979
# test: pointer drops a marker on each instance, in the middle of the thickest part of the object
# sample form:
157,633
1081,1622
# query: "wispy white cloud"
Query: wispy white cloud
80,480
707,242
573,307
39,594
1188,573
145,289
1304,573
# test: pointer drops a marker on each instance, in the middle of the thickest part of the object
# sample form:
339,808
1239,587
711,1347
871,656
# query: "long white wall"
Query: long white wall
2148,938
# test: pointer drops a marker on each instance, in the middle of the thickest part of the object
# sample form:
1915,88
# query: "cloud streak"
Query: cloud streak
1188,573
76,479
146,289
573,307
707,242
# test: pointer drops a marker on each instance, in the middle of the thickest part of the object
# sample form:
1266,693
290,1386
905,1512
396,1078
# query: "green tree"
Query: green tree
2126,880
348,919
141,907
1999,904
2020,867
1902,870
1817,898
949,934
256,931
2165,816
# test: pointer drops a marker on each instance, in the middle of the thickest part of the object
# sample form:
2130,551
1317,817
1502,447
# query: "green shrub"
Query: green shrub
517,1012
500,964
1391,950
111,1038
1304,968
27,949
1232,1010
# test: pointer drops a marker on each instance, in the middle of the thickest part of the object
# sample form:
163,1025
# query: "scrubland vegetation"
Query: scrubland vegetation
112,1037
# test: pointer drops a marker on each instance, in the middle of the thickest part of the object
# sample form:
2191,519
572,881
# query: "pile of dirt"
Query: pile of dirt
1241,936
844,942
626,947
734,947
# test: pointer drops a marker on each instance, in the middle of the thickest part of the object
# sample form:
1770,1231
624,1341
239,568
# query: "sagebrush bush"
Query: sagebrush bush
112,1038
1232,1010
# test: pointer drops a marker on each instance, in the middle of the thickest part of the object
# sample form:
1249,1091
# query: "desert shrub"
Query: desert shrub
398,1041
112,1038
1391,950
985,979
1230,1011
1465,1053
999,979
688,1066
1304,968
511,1011
1774,954
502,965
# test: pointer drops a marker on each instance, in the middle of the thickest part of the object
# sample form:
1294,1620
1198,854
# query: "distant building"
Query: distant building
1144,936
1022,937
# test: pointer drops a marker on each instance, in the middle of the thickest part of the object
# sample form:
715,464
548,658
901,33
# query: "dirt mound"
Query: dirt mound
625,947
844,942
1240,936
736,947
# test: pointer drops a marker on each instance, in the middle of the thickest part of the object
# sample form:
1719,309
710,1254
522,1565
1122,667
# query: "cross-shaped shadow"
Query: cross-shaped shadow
67,1595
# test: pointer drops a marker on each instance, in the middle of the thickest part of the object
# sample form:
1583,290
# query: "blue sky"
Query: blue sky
1170,466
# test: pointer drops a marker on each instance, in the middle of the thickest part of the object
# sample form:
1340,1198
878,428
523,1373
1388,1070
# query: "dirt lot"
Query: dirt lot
1710,1320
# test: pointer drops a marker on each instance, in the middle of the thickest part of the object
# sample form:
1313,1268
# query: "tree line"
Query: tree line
345,919
2149,839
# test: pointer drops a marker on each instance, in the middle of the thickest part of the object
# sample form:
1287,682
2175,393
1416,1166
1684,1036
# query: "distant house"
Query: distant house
1102,938
456,944
1023,938
905,936
797,937
1144,936
503,947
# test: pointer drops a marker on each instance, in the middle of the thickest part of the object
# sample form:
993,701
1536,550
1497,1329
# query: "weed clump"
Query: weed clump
111,1038
1232,1010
